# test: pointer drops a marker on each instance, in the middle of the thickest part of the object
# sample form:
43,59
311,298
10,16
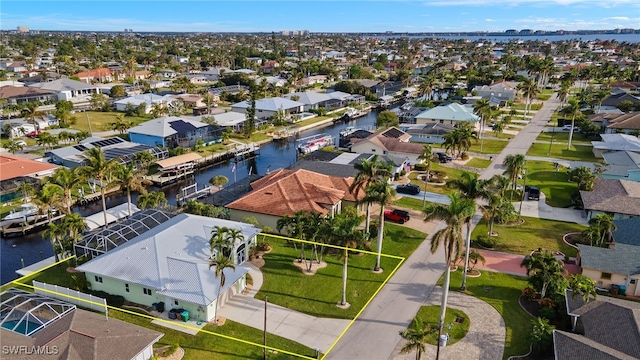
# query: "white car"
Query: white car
21,142
567,127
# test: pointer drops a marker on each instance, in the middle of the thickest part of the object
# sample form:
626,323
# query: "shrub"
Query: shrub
547,313
403,172
528,293
464,156
420,167
171,350
486,241
548,303
263,246
113,300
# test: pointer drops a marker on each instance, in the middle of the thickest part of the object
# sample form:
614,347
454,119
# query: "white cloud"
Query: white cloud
618,18
489,20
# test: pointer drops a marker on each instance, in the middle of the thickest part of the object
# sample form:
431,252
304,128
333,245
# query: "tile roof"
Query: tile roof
622,259
613,195
9,91
284,192
450,111
101,72
12,167
627,231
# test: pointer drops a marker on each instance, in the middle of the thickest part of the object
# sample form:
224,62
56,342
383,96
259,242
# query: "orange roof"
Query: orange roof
94,73
286,191
12,167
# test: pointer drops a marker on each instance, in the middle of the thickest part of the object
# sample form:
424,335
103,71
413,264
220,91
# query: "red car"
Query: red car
34,133
396,215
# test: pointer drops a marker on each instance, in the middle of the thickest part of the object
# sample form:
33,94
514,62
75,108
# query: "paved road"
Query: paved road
431,196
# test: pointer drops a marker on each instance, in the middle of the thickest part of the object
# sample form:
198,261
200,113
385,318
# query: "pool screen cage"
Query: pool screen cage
27,313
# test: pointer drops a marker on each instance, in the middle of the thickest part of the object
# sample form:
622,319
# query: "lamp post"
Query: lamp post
524,175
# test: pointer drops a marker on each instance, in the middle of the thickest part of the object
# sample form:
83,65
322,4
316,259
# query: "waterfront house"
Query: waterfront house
448,113
310,99
170,264
392,142
617,197
230,119
147,99
503,91
67,89
14,171
267,107
171,132
428,133
622,165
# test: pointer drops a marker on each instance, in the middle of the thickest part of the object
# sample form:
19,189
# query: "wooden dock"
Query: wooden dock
161,179
23,228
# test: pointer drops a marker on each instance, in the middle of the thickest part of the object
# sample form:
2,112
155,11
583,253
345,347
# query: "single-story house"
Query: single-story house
341,164
39,327
103,75
620,198
170,264
14,171
284,192
167,74
231,89
267,107
622,165
172,131
615,142
616,265
272,80
214,74
310,99
148,99
502,91
197,79
67,89
189,100
628,86
44,76
450,113
16,95
230,119
429,133
615,100
341,99
315,79
625,123
392,142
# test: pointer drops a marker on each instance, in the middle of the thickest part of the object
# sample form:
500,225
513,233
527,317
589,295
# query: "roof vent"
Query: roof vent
268,193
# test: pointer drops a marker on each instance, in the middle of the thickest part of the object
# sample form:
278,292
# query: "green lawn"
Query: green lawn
318,294
479,163
563,137
489,146
255,137
555,185
559,151
533,234
450,173
501,291
101,121
410,203
431,316
520,106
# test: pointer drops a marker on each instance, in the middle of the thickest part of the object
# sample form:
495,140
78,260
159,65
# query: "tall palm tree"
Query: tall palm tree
368,172
470,187
68,180
233,236
544,270
100,170
30,112
454,216
54,233
74,225
221,263
529,90
128,178
482,108
380,192
605,225
563,92
219,240
428,156
295,225
572,110
416,337
515,164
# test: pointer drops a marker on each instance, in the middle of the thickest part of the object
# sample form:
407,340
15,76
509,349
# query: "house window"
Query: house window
384,152
373,150
633,281
146,291
126,287
175,302
606,276
98,279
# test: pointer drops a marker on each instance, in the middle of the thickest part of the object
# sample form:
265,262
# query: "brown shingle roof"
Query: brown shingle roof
625,121
613,195
9,91
286,191
12,167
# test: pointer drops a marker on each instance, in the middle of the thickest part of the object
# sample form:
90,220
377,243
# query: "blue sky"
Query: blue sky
321,16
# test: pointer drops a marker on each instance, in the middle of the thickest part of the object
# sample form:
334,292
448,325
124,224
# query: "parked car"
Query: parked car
396,215
408,189
34,133
21,143
567,127
443,157
533,193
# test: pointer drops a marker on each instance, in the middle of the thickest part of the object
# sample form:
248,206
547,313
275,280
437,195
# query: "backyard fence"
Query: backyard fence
71,296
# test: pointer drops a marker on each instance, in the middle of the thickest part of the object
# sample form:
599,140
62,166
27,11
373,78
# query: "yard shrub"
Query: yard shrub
112,300
549,303
528,293
547,313
420,167
171,350
486,241
464,156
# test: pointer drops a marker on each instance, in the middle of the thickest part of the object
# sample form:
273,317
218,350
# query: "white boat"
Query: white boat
348,131
26,212
314,143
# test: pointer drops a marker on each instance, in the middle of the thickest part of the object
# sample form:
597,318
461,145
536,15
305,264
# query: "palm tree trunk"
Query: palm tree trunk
466,256
491,226
104,205
344,277
571,133
129,200
68,196
380,234
443,304
215,309
367,221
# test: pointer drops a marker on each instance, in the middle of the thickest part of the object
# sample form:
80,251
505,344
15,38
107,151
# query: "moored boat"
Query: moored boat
26,212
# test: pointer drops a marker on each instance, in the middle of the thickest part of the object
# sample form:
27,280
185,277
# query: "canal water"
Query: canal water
19,251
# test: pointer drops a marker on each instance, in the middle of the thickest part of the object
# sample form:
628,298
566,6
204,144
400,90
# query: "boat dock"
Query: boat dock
191,192
162,179
22,228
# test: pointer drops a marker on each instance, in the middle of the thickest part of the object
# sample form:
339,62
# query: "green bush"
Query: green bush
113,300
420,167
171,350
547,313
486,241
528,293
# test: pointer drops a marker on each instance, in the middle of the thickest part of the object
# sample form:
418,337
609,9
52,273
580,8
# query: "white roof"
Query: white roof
339,95
113,214
309,97
162,126
270,104
64,84
230,118
617,142
172,258
146,98
451,111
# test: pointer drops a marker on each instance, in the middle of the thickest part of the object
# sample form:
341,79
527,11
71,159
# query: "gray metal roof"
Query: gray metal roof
617,142
64,84
161,127
451,111
621,162
623,259
172,258
309,97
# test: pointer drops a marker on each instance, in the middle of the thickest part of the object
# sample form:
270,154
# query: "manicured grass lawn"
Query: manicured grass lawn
30,141
451,173
410,203
431,316
533,234
101,121
559,151
501,291
212,149
318,294
489,146
563,136
255,137
520,106
479,163
555,185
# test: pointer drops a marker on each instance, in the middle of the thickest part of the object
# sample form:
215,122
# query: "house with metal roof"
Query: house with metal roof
170,264
148,99
231,119
615,142
450,113
622,165
267,107
172,132
310,99
67,89
502,91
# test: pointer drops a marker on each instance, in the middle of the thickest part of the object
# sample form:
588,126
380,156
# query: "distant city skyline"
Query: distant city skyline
321,16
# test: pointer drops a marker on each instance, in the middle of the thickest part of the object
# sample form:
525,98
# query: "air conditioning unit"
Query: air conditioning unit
599,283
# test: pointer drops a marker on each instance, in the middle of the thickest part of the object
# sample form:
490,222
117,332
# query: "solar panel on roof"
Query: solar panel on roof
181,126
107,142
392,133
80,147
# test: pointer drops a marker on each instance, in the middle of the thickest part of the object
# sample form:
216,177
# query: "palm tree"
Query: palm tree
482,108
99,169
416,337
428,156
473,256
454,216
30,112
472,188
50,196
529,90
68,180
14,146
27,190
368,172
515,164
498,128
605,225
219,240
74,225
545,271
54,233
120,124
151,199
381,192
295,225
221,263
563,93
143,159
128,178
572,110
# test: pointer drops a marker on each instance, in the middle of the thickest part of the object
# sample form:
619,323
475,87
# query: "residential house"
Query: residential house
171,132
284,192
613,101
620,198
269,67
315,79
16,95
103,75
197,79
39,327
272,81
310,99
341,164
190,100
339,99
214,74
167,74
627,86
335,55
392,142
615,142
622,165
14,171
503,91
16,66
448,113
231,89
44,76
625,123
267,107
231,119
67,89
429,133
170,264
147,99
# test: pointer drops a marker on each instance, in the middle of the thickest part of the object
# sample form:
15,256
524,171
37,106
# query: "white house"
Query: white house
266,108
310,99
148,99
67,89
451,113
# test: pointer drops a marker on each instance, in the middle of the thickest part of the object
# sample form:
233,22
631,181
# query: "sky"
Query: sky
321,16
